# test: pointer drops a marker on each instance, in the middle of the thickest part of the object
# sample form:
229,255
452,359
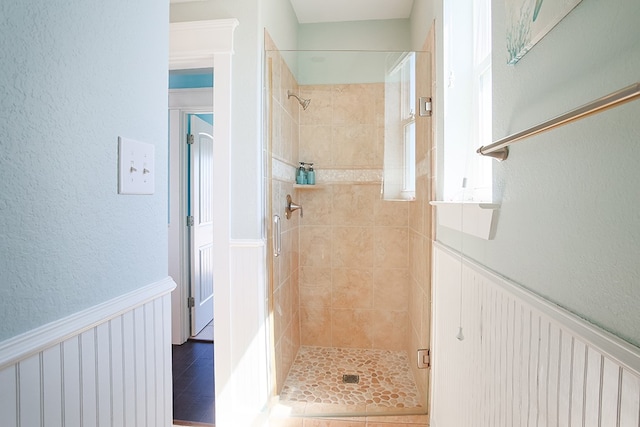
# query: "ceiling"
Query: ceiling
311,11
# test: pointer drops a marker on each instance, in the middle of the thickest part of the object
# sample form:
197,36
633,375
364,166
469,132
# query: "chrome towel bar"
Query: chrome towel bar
500,150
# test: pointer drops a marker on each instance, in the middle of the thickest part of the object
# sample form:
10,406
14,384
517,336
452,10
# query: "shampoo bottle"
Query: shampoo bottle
301,175
311,175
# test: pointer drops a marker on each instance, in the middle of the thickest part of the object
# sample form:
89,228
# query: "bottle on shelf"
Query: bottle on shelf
311,175
301,174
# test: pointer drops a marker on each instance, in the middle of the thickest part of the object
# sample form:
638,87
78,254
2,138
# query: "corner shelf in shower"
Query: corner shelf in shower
475,219
308,186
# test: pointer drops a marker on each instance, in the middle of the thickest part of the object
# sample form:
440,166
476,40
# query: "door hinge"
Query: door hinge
190,221
424,358
190,138
425,106
191,302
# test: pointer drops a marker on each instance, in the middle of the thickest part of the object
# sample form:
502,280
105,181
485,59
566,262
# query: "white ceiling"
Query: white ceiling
310,11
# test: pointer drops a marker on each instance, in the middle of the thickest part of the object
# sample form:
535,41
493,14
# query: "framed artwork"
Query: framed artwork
528,21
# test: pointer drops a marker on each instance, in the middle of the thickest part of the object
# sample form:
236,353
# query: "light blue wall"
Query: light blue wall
281,22
350,52
424,15
569,224
72,81
387,35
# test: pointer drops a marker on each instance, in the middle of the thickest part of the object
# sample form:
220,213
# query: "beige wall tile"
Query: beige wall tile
352,328
288,83
425,321
295,146
315,286
315,246
315,145
352,246
416,218
278,323
289,127
286,250
390,329
288,352
418,252
390,213
415,307
354,146
317,204
320,110
390,289
277,140
379,146
354,104
391,247
353,204
352,288
315,326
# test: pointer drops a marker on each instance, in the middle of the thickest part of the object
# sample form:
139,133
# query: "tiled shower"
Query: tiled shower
353,272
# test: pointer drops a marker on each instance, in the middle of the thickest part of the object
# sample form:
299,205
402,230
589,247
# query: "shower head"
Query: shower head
304,103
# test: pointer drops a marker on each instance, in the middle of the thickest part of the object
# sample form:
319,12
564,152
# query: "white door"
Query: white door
201,193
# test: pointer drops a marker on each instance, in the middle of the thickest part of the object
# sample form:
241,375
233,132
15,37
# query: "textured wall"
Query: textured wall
75,76
569,227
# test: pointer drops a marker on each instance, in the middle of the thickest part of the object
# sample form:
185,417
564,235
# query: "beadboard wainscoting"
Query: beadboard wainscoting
109,365
522,361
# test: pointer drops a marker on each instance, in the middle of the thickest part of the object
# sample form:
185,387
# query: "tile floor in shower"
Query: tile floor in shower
315,384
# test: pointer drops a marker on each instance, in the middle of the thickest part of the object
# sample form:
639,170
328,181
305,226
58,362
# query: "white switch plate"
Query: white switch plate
136,167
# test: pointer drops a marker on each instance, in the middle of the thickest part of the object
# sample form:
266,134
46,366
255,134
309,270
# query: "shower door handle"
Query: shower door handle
277,236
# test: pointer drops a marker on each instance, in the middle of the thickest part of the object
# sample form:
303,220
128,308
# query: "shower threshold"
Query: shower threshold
347,381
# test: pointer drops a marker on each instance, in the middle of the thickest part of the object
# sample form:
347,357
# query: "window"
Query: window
400,129
408,120
468,110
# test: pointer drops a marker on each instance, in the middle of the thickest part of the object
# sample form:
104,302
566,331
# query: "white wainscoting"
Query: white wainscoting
523,361
109,365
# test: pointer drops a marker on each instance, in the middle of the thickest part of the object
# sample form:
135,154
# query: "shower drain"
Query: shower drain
351,379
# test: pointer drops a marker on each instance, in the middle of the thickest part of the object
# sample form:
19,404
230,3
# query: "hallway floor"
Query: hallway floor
193,383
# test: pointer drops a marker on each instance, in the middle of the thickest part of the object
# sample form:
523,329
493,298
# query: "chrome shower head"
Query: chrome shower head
304,103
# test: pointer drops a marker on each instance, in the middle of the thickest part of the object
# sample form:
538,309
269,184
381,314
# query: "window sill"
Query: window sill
473,218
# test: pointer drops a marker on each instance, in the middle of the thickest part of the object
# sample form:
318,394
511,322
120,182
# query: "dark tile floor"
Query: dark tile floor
193,392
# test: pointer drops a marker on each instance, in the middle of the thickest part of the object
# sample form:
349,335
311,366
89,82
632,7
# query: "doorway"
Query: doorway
191,197
191,237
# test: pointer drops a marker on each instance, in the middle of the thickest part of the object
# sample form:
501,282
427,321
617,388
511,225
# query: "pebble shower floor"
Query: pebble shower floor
385,384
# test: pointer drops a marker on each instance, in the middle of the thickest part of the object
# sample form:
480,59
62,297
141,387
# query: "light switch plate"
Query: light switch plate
136,167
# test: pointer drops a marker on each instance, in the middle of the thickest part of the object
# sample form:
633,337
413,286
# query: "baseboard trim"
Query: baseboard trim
22,346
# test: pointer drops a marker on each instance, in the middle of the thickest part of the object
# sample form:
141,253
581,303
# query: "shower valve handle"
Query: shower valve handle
291,207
